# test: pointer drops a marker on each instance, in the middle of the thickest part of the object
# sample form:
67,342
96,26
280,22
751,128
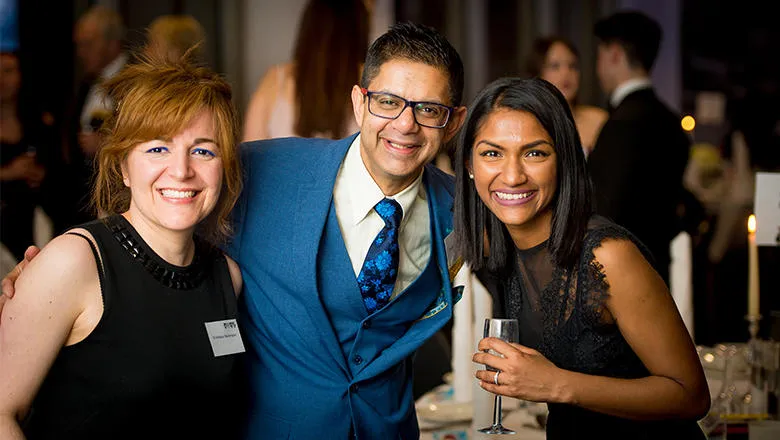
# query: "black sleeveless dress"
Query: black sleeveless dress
147,371
561,315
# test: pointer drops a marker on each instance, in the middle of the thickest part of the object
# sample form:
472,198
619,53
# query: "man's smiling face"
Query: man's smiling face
395,150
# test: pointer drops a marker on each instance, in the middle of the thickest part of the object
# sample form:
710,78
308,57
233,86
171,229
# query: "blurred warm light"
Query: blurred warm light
688,123
752,223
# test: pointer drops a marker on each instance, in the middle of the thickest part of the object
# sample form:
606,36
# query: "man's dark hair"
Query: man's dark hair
639,35
417,43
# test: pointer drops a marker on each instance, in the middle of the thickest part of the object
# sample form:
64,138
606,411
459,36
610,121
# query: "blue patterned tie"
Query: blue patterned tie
380,268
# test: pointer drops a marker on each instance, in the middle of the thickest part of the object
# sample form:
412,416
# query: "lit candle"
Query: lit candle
753,298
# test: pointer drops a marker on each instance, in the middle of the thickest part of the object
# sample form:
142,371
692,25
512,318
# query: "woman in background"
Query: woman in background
556,60
310,96
116,331
601,340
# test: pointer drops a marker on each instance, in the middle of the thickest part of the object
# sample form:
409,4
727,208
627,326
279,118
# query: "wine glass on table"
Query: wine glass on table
508,331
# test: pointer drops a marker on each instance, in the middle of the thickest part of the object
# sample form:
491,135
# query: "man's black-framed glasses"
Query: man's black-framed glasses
389,106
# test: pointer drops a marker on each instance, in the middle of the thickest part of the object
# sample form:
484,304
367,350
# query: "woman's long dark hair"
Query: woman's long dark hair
475,225
329,51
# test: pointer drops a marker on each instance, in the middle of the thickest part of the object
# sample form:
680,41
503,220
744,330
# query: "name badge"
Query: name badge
224,337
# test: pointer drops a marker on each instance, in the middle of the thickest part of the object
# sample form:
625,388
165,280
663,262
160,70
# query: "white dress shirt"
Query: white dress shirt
97,103
355,194
628,88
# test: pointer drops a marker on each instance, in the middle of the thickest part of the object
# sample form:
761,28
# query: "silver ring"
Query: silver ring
495,378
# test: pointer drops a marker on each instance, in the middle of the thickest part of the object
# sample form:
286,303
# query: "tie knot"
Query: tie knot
390,211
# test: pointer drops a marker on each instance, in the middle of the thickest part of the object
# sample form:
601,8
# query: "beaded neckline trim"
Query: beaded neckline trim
176,278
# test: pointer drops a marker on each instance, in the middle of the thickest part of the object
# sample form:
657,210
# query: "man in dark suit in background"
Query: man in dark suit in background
641,153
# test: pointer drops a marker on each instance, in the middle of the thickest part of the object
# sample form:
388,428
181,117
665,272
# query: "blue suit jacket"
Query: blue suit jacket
300,384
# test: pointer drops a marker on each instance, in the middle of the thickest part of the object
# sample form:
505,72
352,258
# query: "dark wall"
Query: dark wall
46,53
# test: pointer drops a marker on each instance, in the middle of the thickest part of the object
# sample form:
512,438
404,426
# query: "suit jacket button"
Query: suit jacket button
353,388
366,324
357,359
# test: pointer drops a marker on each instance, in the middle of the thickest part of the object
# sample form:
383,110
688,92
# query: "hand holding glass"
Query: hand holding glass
508,331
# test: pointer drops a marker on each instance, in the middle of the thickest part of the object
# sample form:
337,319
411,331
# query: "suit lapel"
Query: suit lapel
442,200
313,201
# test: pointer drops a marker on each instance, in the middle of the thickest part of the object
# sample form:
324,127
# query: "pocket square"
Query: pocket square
457,293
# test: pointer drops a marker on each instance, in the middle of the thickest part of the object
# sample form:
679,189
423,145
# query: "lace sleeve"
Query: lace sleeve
593,285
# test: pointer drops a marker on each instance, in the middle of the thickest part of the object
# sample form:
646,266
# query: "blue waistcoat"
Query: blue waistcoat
362,343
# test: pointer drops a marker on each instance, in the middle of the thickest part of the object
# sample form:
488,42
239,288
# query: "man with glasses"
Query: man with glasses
341,245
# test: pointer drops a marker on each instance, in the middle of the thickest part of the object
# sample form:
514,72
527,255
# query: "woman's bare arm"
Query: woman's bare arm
53,293
649,321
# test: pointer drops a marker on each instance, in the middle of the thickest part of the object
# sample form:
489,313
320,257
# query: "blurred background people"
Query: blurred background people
98,37
641,152
556,60
27,143
725,180
309,96
174,35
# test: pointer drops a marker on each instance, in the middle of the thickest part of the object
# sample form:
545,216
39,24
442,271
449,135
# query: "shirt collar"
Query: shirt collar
628,88
113,67
364,193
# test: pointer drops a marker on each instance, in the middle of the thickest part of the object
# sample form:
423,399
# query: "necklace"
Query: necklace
179,278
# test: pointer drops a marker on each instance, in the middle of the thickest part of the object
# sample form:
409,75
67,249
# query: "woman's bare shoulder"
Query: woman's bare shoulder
65,252
629,273
617,252
287,69
275,75
62,273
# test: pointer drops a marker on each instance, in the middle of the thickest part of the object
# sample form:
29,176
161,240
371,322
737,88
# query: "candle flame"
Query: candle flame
752,224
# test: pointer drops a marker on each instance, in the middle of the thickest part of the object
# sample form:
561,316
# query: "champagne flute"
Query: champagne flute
506,330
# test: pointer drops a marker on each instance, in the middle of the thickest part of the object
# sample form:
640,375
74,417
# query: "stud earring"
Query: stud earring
471,176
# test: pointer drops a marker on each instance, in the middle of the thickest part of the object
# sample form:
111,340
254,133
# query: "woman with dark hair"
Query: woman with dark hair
601,340
310,96
556,60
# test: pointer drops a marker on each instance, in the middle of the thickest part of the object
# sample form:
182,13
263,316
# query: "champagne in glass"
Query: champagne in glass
506,330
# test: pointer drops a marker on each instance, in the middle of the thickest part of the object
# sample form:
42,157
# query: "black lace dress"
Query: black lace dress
562,315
